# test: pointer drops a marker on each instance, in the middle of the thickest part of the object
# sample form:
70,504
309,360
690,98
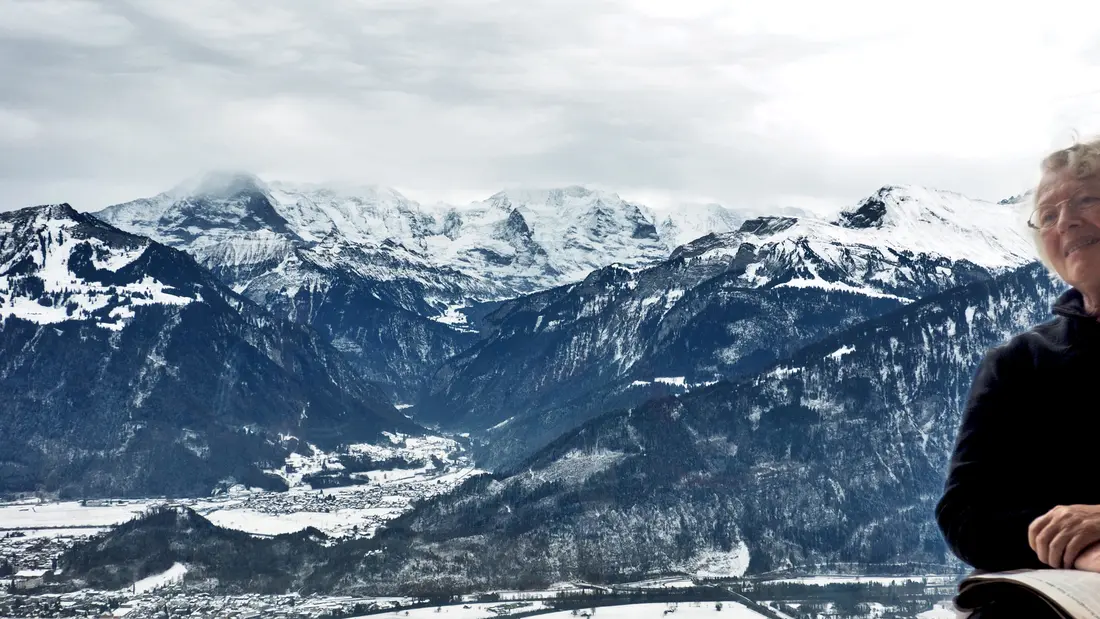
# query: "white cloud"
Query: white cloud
81,22
696,100
16,127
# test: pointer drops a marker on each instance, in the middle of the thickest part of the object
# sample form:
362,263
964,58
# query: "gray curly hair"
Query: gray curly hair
1082,159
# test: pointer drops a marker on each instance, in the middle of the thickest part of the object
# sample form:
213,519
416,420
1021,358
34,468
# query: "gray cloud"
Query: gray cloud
107,100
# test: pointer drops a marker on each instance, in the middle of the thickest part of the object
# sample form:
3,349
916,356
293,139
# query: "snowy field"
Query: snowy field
336,523
845,580
58,533
682,610
941,611
659,583
468,611
730,610
335,511
68,514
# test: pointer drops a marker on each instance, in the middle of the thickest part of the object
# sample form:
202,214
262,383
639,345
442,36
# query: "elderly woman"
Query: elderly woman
1023,489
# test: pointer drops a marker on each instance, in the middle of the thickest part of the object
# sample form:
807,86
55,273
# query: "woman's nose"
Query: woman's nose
1069,217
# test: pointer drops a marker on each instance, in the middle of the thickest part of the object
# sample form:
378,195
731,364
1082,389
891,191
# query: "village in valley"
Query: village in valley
34,532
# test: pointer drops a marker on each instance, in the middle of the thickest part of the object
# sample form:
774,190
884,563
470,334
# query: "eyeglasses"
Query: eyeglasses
1046,217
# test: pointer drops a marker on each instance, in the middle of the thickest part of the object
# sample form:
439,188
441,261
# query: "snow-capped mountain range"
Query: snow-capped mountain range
513,243
903,240
522,241
722,306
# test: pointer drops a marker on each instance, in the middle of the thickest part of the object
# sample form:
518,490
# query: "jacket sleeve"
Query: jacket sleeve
986,507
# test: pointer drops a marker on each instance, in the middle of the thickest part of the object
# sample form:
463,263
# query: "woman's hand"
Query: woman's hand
1089,560
1061,535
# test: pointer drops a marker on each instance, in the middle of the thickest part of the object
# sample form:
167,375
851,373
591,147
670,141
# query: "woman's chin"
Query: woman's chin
1083,267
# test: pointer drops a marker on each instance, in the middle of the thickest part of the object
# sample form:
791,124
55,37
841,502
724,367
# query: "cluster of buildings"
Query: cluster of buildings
176,602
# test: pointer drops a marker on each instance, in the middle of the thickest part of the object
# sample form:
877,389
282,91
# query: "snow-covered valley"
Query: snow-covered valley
357,510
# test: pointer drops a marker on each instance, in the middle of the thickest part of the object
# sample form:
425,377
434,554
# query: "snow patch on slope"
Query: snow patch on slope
683,224
840,352
822,284
454,318
573,468
362,214
719,563
171,576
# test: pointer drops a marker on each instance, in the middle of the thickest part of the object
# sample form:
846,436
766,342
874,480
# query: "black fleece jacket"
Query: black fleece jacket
1029,440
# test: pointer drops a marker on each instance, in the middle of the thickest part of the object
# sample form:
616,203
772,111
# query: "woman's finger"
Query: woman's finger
1043,539
1056,550
1036,528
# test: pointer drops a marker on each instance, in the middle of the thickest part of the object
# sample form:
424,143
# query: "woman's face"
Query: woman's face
1072,244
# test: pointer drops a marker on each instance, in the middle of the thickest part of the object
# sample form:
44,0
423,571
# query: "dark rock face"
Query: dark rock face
868,215
767,225
516,225
202,213
141,374
644,230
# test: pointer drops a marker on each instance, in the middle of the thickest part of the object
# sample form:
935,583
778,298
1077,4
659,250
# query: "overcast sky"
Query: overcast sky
664,101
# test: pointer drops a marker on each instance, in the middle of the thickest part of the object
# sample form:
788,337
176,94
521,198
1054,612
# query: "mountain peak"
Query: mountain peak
1022,198
39,217
53,211
204,211
220,184
683,223
58,211
555,197
59,265
897,204
340,190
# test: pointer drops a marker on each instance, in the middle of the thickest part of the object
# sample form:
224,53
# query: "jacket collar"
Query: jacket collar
1071,304
1070,308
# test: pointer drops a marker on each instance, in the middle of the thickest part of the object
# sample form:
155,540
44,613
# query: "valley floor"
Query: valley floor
34,532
